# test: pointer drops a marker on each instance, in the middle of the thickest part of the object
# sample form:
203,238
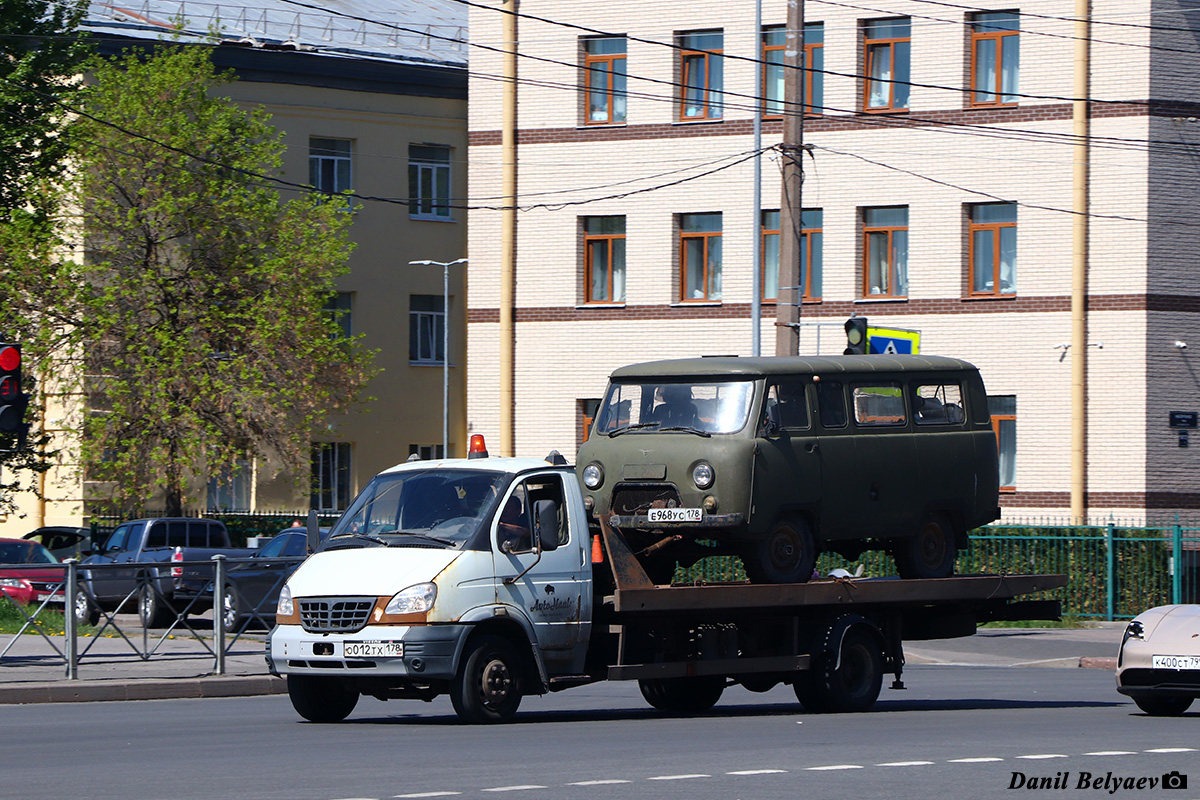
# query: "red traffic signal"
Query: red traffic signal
12,401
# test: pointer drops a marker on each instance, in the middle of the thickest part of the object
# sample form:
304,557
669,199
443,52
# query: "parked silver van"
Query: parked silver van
779,459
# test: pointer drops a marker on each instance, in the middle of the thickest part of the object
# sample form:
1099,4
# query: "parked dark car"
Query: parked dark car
63,541
252,588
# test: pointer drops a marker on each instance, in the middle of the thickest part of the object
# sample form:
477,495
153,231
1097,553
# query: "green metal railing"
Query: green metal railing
1116,571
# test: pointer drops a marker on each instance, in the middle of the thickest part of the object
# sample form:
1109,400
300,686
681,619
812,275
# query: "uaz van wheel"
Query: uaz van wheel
786,555
929,554
487,687
319,699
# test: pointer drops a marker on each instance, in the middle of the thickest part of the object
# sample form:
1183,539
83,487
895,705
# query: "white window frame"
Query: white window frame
425,176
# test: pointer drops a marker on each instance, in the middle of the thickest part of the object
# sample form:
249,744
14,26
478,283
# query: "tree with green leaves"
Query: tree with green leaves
199,309
41,53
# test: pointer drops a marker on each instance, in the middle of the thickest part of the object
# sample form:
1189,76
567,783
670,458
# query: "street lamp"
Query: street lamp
445,265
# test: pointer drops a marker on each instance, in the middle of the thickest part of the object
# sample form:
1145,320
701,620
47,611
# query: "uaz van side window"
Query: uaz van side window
786,406
832,404
938,404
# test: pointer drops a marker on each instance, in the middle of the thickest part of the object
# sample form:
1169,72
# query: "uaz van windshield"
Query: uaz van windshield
701,408
436,507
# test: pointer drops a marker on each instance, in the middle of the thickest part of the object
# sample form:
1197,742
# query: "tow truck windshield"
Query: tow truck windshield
438,507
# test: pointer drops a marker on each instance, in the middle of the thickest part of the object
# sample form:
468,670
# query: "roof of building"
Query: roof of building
430,32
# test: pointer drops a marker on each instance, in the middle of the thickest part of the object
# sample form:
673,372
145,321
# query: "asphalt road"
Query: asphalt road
955,732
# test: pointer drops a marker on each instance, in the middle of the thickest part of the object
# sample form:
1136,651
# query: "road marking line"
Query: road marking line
1112,753
833,767
514,788
426,794
973,760
1042,756
678,777
598,783
1172,750
905,764
757,772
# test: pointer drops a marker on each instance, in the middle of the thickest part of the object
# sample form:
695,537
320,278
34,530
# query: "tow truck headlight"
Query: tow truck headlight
703,475
286,607
413,600
593,475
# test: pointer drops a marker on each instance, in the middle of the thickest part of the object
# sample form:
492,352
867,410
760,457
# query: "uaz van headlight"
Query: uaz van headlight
593,475
703,475
413,600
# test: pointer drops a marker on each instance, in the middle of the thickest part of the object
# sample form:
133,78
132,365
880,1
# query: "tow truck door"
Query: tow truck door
551,587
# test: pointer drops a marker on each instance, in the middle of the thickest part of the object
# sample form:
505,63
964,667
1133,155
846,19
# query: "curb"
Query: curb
1091,662
163,689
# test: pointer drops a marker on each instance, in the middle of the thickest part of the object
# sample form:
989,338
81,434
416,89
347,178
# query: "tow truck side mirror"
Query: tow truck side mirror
546,520
313,530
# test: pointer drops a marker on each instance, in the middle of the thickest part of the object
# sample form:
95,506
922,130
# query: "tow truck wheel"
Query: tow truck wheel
1163,706
929,554
683,695
850,683
787,554
319,699
487,687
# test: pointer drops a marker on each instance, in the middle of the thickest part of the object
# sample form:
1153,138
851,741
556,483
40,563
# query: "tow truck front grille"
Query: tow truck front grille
335,614
636,498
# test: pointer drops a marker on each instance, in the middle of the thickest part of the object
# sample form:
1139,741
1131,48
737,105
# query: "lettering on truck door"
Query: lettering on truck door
550,593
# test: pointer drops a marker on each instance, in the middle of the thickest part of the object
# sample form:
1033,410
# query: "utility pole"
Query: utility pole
787,309
1079,347
508,232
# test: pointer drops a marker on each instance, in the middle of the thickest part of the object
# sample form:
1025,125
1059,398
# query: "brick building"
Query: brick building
937,198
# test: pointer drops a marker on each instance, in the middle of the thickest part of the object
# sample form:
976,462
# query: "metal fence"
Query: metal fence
1116,571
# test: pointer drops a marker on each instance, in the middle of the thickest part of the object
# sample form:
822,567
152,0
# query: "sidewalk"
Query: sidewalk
181,667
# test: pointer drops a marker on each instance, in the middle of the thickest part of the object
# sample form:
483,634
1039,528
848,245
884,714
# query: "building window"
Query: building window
700,257
701,73
774,41
428,181
338,309
230,489
329,165
587,416
1003,409
426,329
885,252
604,259
810,254
330,476
604,73
993,249
888,52
995,58
426,452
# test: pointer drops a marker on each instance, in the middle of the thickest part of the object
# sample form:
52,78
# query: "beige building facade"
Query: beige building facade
365,108
938,198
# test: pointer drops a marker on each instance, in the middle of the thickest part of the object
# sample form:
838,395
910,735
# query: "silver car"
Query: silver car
1159,662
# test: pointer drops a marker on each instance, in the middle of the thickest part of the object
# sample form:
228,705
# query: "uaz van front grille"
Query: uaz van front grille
335,614
636,498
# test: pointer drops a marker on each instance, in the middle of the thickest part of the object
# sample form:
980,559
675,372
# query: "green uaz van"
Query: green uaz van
779,459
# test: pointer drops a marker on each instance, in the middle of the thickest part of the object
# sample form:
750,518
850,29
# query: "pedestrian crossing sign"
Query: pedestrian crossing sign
892,341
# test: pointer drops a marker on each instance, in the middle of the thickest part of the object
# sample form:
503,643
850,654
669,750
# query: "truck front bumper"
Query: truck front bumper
428,652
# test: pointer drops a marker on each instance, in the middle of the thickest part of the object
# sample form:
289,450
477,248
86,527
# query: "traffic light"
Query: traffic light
12,400
856,337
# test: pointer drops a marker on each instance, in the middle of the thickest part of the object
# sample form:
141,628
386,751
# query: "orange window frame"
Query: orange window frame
684,238
809,49
871,46
997,91
608,62
806,237
994,229
687,59
590,240
891,231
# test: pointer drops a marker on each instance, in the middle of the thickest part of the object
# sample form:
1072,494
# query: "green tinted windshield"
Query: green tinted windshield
708,406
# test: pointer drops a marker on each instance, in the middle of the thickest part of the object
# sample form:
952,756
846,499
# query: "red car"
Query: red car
28,584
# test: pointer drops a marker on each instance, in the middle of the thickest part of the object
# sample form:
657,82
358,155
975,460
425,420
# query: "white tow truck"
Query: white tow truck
488,579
